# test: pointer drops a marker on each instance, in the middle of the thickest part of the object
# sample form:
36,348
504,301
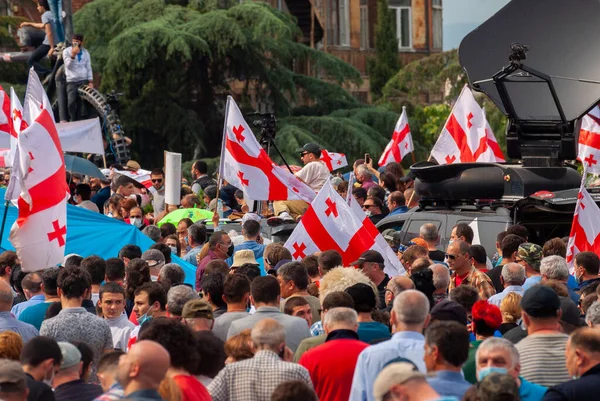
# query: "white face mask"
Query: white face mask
173,250
49,381
136,221
368,213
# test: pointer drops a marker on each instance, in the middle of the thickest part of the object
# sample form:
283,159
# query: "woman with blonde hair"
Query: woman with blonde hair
239,347
510,307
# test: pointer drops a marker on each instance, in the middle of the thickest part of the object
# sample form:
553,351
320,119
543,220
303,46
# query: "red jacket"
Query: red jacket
331,365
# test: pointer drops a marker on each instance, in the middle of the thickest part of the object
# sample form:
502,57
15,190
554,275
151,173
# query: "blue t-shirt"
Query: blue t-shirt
35,314
369,331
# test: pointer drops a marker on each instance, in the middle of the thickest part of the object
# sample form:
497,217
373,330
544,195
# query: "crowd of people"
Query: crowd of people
256,325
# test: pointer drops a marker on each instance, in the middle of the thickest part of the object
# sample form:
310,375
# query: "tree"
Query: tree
385,64
176,61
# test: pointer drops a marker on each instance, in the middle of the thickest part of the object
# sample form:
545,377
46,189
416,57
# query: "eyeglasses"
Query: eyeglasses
367,206
451,257
157,180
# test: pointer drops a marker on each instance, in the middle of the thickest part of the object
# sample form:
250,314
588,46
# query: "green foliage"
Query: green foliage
11,72
175,61
429,74
385,64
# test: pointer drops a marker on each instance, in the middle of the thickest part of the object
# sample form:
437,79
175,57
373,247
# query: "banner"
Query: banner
172,178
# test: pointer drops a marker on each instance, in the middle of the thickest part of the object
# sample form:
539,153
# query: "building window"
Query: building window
344,22
437,24
402,16
364,27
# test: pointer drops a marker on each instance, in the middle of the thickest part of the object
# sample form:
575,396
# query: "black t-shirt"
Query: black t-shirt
77,390
437,255
38,391
381,289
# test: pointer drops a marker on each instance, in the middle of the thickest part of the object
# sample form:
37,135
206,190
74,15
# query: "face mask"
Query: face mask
136,221
483,373
230,250
49,381
109,214
145,317
450,242
173,250
368,213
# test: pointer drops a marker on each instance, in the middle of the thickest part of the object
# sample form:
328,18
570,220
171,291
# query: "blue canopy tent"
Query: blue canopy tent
91,233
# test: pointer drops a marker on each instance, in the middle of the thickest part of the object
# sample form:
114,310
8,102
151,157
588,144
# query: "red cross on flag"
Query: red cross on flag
5,122
246,165
333,160
589,141
401,143
330,223
142,176
39,235
467,136
585,229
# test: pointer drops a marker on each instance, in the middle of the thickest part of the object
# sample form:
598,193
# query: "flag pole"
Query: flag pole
413,157
3,221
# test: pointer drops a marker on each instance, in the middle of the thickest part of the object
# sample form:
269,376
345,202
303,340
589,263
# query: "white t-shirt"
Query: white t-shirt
314,174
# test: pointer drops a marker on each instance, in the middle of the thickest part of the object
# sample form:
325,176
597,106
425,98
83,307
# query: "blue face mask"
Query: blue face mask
483,373
144,318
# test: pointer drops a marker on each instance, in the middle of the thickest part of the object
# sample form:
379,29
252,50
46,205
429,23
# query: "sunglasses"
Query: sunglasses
451,257
157,180
367,206
303,154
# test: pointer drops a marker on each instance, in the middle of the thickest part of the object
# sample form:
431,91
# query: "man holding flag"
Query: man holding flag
314,173
401,143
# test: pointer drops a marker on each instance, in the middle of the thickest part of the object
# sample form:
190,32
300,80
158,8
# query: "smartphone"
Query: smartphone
367,158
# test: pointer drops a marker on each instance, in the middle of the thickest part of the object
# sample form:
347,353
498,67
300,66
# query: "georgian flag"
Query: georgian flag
142,176
586,225
467,136
333,160
246,165
40,233
330,223
401,143
589,141
5,115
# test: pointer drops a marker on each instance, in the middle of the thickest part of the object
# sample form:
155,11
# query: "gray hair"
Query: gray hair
177,297
411,307
428,232
153,232
346,317
441,276
173,273
268,332
554,267
593,314
513,274
494,343
396,288
363,170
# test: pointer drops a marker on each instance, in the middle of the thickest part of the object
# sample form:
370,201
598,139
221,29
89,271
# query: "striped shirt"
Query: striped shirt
543,359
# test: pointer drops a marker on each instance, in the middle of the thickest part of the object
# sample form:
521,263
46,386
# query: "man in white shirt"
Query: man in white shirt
112,303
314,173
78,70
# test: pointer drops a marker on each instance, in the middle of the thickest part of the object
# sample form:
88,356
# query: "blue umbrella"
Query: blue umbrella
80,165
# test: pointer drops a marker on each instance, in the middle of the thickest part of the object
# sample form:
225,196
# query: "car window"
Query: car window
485,233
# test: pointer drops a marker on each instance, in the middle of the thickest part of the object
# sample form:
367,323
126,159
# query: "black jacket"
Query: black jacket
585,388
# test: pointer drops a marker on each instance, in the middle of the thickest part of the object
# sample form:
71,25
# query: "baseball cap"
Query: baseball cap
448,310
530,253
310,148
12,377
153,257
70,355
105,172
242,257
540,301
197,308
395,373
497,386
250,216
418,241
369,256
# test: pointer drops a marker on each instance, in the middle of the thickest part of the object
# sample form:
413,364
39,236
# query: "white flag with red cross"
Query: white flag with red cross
246,165
401,143
588,151
40,233
330,223
467,136
5,115
142,176
585,229
333,160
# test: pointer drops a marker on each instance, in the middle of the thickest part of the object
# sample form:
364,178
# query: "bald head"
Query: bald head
513,274
143,367
6,296
268,333
396,285
411,309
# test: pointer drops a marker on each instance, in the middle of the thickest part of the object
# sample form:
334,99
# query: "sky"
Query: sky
462,16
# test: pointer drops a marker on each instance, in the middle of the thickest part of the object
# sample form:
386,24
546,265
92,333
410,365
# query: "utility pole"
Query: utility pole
68,23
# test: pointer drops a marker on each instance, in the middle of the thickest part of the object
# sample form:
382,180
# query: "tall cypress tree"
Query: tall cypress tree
385,63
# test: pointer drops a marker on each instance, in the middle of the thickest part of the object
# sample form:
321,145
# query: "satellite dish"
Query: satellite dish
537,61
